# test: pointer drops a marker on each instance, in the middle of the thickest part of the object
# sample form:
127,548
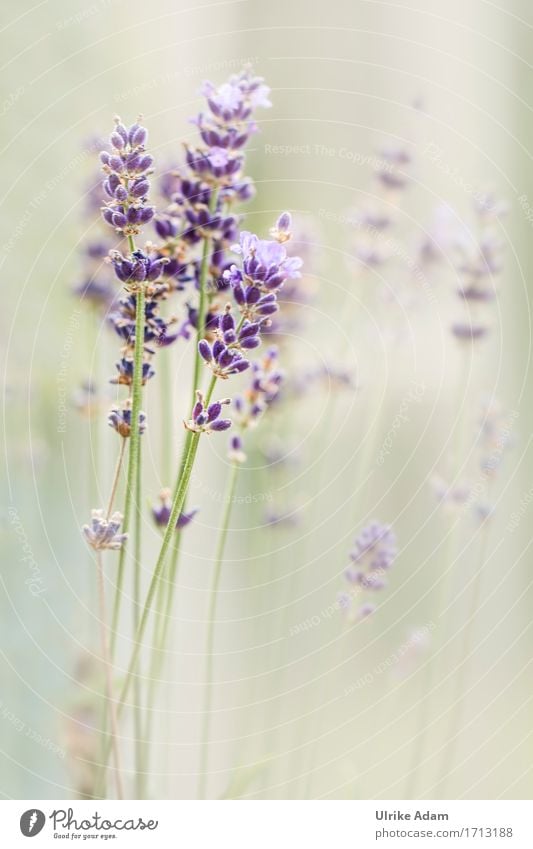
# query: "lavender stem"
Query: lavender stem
133,459
109,676
208,698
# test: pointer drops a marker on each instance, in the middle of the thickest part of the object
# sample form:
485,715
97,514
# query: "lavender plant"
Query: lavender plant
228,303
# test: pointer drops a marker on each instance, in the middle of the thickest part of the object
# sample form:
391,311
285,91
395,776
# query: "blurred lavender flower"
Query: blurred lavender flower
161,512
263,388
374,552
86,399
392,168
104,533
266,380
478,266
492,438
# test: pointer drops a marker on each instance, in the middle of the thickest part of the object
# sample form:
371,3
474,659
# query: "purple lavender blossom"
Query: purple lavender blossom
161,512
206,418
125,372
119,419
123,320
225,355
137,268
265,264
127,167
226,127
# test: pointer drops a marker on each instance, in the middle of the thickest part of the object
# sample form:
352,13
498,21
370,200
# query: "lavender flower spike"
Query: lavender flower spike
206,419
127,167
103,533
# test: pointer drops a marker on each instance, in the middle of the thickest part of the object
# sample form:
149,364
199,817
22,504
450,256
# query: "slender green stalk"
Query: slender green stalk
113,738
165,387
137,555
177,507
116,478
160,637
133,458
208,698
161,630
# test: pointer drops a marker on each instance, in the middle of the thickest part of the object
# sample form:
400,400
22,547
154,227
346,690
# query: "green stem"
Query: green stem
116,477
160,637
165,387
113,738
133,458
177,506
137,555
208,698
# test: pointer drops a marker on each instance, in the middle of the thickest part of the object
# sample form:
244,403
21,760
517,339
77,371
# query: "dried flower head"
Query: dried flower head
104,533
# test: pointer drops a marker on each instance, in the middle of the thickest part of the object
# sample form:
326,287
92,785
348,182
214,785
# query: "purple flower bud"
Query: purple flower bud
250,343
213,411
116,164
205,350
138,136
250,329
140,189
239,294
240,366
117,141
118,219
227,322
221,424
122,131
147,213
218,348
145,162
253,295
